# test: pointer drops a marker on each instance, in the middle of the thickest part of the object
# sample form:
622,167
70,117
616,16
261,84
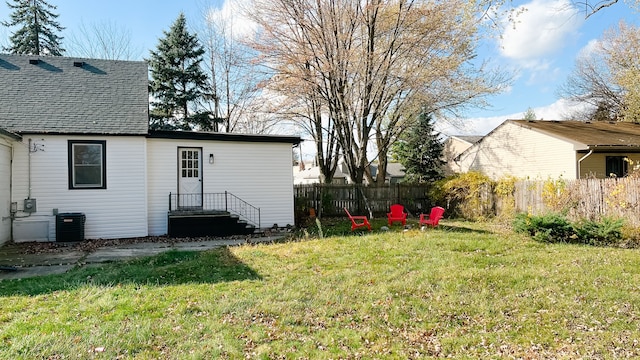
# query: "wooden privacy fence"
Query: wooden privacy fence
330,199
579,199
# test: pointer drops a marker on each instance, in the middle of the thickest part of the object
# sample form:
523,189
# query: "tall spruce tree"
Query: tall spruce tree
178,83
37,30
420,151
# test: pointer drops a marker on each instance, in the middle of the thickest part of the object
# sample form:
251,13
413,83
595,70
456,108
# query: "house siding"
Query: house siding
453,147
119,211
594,165
514,150
258,173
5,192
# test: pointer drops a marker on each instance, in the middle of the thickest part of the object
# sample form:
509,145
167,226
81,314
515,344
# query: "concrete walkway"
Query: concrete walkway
66,258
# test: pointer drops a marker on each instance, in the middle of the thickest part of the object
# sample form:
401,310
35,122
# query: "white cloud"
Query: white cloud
559,110
593,46
231,16
541,30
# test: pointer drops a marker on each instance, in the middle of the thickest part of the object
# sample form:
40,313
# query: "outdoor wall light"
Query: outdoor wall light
210,158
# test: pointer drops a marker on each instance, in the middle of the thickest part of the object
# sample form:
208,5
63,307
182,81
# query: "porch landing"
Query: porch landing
198,223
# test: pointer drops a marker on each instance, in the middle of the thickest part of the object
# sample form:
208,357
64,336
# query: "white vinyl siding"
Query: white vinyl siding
258,173
514,150
451,149
5,193
119,211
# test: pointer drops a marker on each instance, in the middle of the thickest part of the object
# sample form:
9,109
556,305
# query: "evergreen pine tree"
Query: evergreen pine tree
36,34
420,151
178,82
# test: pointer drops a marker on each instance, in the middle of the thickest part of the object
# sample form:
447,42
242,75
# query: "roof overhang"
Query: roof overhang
612,148
191,135
9,135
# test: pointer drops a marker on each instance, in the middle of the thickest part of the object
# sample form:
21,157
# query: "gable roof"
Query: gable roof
61,95
589,134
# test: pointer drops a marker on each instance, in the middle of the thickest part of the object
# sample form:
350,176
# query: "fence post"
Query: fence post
315,202
169,201
226,206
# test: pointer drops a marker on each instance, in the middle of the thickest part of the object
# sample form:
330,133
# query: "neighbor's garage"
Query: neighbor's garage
5,192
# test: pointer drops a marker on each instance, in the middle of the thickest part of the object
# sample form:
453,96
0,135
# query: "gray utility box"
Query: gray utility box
70,226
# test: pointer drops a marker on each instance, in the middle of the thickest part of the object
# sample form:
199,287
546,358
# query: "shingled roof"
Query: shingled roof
590,134
61,95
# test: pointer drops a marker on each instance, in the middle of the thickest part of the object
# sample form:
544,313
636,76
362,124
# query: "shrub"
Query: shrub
550,227
554,227
470,193
606,232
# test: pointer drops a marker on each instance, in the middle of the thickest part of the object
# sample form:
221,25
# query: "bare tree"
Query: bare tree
608,78
362,71
592,7
103,40
591,83
234,74
622,44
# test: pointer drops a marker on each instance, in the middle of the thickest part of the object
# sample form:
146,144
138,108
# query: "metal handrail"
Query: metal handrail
225,201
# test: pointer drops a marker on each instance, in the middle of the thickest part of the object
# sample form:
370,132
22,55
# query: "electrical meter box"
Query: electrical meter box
29,205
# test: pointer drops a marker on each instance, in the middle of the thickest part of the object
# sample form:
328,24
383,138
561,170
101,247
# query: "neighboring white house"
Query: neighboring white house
75,132
553,149
453,146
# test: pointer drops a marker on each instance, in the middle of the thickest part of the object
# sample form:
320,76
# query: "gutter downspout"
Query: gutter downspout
581,159
29,170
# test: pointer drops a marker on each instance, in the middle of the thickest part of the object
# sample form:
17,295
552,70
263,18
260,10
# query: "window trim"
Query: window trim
71,165
623,162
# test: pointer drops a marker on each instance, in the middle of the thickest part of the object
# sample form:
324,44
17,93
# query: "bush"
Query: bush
606,232
469,194
550,227
553,227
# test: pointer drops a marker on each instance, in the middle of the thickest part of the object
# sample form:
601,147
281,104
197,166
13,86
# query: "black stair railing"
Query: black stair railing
225,201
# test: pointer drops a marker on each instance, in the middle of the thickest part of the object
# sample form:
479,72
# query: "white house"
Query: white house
74,139
453,146
552,149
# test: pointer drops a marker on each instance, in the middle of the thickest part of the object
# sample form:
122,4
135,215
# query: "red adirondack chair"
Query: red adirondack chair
358,221
397,214
433,218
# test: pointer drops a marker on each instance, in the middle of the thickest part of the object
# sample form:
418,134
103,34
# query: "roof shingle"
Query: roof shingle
73,96
591,134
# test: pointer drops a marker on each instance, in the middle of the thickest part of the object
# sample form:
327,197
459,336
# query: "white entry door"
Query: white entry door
190,178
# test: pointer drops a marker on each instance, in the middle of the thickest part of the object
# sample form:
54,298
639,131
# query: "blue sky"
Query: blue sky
540,51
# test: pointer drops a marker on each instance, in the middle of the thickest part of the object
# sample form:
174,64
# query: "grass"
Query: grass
463,290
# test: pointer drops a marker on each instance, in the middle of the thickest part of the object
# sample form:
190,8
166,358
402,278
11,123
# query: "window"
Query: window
617,166
87,164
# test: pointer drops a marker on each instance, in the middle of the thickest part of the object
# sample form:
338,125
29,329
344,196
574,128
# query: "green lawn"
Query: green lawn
462,290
